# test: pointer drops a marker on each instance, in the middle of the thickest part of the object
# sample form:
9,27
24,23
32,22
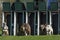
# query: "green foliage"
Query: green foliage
0,29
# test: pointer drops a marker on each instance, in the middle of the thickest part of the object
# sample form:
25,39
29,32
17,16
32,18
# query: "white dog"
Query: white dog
49,29
5,30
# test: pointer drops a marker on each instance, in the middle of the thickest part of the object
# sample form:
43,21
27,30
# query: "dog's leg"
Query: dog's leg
47,32
25,33
7,32
52,32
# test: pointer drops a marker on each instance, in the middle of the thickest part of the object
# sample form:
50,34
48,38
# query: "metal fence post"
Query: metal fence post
26,17
14,23
38,24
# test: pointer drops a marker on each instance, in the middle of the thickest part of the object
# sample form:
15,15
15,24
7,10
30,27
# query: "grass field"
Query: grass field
53,37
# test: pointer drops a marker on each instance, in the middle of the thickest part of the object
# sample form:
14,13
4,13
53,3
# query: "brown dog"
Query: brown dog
26,29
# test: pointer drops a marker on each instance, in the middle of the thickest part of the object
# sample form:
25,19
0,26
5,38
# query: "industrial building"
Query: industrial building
34,12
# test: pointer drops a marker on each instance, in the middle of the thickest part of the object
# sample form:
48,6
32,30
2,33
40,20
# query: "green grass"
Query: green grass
53,37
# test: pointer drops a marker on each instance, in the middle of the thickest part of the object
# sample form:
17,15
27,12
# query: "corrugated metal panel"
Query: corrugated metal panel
49,3
26,1
42,6
30,6
6,6
18,6
54,6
